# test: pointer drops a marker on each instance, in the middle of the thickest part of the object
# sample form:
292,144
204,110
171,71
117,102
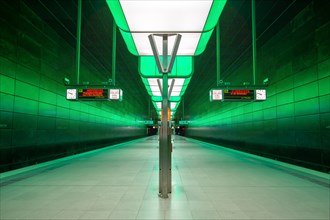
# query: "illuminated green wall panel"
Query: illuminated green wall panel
7,119
258,115
307,123
305,76
271,102
26,90
62,112
324,87
269,113
61,101
26,106
324,104
7,102
27,75
293,123
324,122
7,84
285,97
284,84
37,122
47,109
47,96
323,69
306,92
309,106
283,111
9,67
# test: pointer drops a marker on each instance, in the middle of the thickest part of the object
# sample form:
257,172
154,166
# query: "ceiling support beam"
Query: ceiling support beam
165,66
171,88
78,41
254,44
114,50
218,52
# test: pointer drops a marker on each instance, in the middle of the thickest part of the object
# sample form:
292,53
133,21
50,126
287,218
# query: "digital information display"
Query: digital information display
238,95
94,94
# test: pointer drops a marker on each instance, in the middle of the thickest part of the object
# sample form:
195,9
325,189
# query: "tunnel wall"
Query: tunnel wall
37,123
293,125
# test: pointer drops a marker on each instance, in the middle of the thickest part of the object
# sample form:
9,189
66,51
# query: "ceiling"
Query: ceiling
235,29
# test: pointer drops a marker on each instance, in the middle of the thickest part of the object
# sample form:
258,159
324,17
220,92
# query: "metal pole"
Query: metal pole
218,52
254,46
78,41
182,108
164,184
149,109
114,44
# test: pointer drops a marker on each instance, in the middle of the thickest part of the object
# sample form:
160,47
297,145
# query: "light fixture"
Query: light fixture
153,86
183,67
194,20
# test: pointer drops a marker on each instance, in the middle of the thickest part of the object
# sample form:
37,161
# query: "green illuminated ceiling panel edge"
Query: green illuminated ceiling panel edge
118,15
183,67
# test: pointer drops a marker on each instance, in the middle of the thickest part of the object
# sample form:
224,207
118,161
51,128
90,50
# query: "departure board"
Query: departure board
93,94
238,95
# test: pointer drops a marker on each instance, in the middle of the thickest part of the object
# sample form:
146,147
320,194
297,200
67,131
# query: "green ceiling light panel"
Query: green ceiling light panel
153,86
193,19
183,67
159,98
173,105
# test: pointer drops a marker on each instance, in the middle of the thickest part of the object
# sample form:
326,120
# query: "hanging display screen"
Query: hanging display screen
93,94
238,94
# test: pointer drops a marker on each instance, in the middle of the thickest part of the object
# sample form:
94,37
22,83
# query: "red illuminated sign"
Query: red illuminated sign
93,94
238,94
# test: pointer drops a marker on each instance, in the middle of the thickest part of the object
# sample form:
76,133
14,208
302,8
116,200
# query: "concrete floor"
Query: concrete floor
121,182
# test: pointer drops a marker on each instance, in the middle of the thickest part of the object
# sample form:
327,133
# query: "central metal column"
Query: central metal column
164,151
165,145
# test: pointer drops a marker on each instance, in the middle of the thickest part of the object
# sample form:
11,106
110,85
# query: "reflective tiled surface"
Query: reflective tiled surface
208,183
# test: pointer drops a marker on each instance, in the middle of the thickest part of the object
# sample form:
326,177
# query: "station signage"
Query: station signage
242,94
238,94
148,122
116,94
94,94
183,122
